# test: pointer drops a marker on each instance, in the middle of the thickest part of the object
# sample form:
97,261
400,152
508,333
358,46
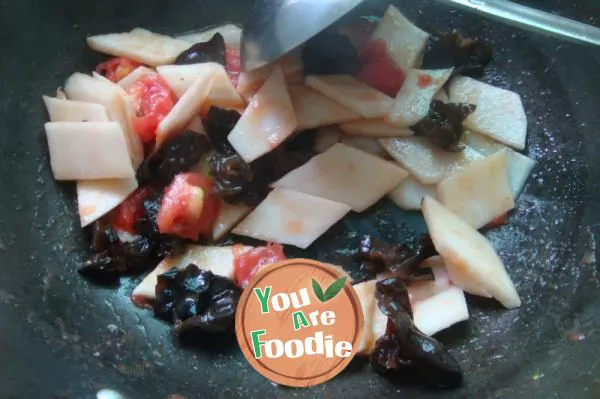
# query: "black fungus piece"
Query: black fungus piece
210,51
400,260
103,236
146,225
179,154
404,347
102,268
443,126
218,123
195,299
330,53
468,56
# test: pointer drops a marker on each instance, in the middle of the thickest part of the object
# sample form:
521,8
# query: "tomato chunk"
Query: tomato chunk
130,210
247,264
379,70
117,68
234,66
153,100
188,208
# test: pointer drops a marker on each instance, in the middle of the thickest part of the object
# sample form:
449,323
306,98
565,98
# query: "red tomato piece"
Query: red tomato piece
234,66
117,68
188,208
247,264
130,210
379,70
153,100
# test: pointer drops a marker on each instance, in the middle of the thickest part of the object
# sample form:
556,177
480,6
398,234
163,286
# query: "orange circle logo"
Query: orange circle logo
299,322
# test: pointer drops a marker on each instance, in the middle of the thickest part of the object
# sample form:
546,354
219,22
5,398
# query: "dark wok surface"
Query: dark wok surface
64,338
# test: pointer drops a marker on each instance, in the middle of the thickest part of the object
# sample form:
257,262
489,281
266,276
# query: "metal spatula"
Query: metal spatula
274,27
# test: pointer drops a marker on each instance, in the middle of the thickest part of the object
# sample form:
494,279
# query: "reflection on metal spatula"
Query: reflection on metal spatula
274,27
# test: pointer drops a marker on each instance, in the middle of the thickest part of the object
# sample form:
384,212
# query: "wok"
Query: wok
62,337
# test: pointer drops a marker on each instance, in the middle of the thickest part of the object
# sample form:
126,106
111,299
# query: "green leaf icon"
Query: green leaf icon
334,289
318,290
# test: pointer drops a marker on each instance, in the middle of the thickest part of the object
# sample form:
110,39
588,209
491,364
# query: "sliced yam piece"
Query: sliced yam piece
352,94
426,162
60,94
404,41
290,64
74,111
375,128
291,217
219,260
499,114
413,101
95,198
366,295
326,137
313,109
196,125
268,120
232,34
484,145
440,311
378,326
442,96
479,193
181,77
229,216
346,175
369,145
129,81
186,108
80,87
88,150
409,194
470,259
140,45
223,93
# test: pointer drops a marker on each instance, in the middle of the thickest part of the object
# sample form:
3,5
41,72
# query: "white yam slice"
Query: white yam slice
229,216
196,125
268,120
366,144
181,77
232,34
313,109
352,94
326,137
426,162
413,101
440,311
409,194
186,108
366,295
95,198
421,290
140,45
378,326
470,259
80,87
219,260
60,94
375,128
480,193
74,111
404,41
347,175
291,217
442,96
223,93
88,150
128,81
290,64
519,166
499,112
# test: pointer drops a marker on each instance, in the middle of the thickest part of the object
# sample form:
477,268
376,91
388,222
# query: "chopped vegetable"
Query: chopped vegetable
222,93
405,42
369,145
330,53
423,289
95,198
379,70
267,122
480,193
153,101
139,45
291,217
131,210
232,34
409,194
346,175
180,78
247,264
375,128
209,51
313,109
74,111
116,68
229,216
470,259
426,162
352,94
290,64
88,150
499,112
413,101
443,126
366,296
128,81
440,311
